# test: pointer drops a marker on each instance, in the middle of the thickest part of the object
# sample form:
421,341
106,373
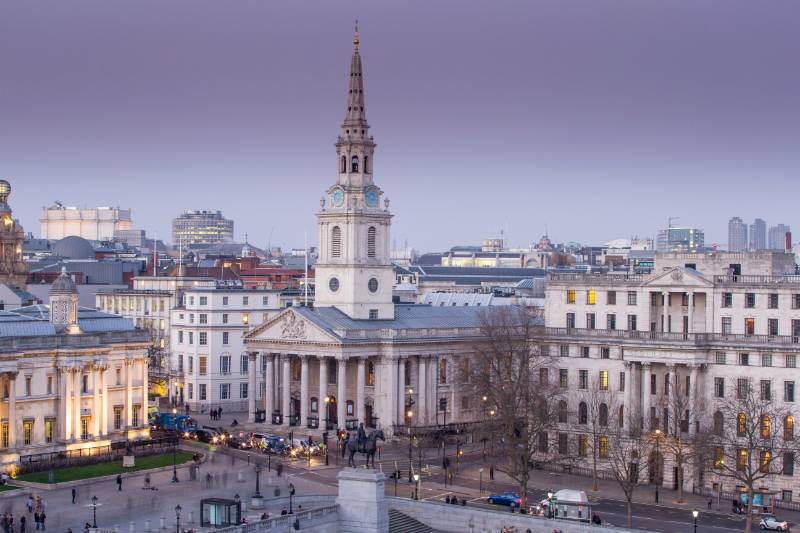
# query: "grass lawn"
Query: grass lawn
73,473
7,487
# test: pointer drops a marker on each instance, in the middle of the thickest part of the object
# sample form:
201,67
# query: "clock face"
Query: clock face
337,197
372,198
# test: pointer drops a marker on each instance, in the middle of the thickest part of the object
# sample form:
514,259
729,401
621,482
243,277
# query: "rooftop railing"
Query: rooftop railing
597,278
699,339
732,279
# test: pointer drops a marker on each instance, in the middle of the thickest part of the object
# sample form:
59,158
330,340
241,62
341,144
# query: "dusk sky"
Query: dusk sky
597,119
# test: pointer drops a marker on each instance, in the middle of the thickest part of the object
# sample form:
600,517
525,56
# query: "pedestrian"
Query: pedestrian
491,473
42,518
279,469
709,504
22,523
36,520
74,494
119,482
284,512
29,503
219,413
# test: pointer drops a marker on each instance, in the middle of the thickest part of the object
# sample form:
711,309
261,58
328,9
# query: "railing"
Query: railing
693,338
732,279
728,497
598,277
58,341
281,522
410,333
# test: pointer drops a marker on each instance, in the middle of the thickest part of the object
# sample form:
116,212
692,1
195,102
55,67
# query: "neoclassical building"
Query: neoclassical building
356,356
71,379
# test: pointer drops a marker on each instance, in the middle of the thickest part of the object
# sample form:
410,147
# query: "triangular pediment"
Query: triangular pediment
678,277
290,325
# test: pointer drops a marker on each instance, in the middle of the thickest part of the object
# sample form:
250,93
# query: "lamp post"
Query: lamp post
178,518
480,481
459,454
695,514
94,511
258,482
238,501
549,504
416,486
291,495
657,462
269,458
327,401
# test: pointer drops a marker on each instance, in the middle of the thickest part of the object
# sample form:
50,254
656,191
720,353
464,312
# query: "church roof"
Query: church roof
20,325
89,320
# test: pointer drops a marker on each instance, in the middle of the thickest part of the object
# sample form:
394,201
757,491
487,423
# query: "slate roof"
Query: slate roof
407,316
18,325
89,320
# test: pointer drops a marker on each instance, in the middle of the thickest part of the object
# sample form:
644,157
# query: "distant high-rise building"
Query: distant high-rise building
680,239
758,235
737,235
92,223
201,227
777,236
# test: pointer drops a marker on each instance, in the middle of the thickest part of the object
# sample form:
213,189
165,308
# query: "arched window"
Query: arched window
766,426
562,412
719,424
788,428
366,166
741,424
344,164
371,234
336,242
583,413
442,371
354,164
603,415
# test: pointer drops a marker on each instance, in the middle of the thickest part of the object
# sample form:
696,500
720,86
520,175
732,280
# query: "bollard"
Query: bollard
240,477
147,525
161,523
132,527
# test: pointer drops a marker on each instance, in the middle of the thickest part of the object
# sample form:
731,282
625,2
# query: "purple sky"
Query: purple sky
598,119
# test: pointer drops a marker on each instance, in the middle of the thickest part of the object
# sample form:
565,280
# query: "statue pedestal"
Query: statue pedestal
257,502
362,503
128,461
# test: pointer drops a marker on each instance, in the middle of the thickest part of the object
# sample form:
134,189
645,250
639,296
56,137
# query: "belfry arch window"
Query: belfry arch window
366,164
336,242
344,164
354,164
371,235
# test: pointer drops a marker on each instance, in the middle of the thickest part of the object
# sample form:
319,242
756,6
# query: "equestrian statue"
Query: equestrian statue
363,443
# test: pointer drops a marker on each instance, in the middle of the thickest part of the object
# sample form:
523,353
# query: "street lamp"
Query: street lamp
416,486
175,458
178,518
291,495
657,461
480,481
327,401
258,482
94,511
695,514
238,501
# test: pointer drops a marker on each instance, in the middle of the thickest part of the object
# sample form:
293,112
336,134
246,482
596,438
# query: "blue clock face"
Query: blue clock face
372,198
337,197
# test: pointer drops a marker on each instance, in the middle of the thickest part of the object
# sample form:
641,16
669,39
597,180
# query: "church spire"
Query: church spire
356,119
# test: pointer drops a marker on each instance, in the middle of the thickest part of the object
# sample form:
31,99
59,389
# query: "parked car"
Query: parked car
768,521
505,498
239,443
202,435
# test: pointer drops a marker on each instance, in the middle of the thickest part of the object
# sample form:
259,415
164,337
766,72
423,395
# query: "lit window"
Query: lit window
571,296
591,297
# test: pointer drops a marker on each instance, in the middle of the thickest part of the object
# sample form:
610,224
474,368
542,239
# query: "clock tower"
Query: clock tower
353,271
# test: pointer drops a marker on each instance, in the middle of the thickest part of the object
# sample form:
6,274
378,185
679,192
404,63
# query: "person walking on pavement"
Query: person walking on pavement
119,482
42,518
219,413
22,521
74,494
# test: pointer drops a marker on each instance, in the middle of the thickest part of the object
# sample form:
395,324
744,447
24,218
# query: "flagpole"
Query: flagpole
305,257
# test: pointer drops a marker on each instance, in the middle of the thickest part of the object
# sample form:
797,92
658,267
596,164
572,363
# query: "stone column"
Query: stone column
12,410
401,391
106,402
77,378
145,399
64,415
252,363
303,391
361,380
627,410
690,328
422,406
646,396
341,392
693,410
673,411
269,388
286,389
665,311
129,393
323,392
96,409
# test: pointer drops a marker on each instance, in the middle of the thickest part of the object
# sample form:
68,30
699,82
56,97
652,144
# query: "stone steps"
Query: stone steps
402,523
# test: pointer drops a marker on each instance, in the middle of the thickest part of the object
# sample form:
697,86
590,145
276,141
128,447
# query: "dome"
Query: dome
63,284
5,187
74,248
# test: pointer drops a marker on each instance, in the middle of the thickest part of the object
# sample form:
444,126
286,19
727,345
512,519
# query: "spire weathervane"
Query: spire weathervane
355,38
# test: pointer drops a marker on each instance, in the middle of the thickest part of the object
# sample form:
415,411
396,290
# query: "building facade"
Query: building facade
680,239
737,235
208,326
94,224
201,227
778,237
758,235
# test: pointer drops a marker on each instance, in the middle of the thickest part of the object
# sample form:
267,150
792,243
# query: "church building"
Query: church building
356,356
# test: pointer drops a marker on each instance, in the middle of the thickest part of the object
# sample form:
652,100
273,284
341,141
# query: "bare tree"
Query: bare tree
596,412
512,373
753,437
627,459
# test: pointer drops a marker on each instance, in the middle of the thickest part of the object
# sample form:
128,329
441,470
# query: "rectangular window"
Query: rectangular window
603,447
570,296
571,320
772,326
49,424
245,318
119,376
245,300
191,318
191,390
373,314
27,385
224,391
202,392
631,322
204,300
791,361
191,364
191,337
795,301
590,322
544,376
135,415
563,378
203,319
224,300
583,379
749,300
719,387
720,358
622,381
611,297
591,297
564,350
225,338
749,326
224,318
180,337
786,495
244,364
726,325
766,359
265,300
225,364
27,432
766,389
653,384
203,339
611,321
742,387
788,391
602,380
605,352
727,299
563,444
84,427
203,365
585,352
773,301
631,298
117,417
583,445
744,359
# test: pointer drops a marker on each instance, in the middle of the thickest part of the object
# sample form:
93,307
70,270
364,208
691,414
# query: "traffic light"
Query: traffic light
325,438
